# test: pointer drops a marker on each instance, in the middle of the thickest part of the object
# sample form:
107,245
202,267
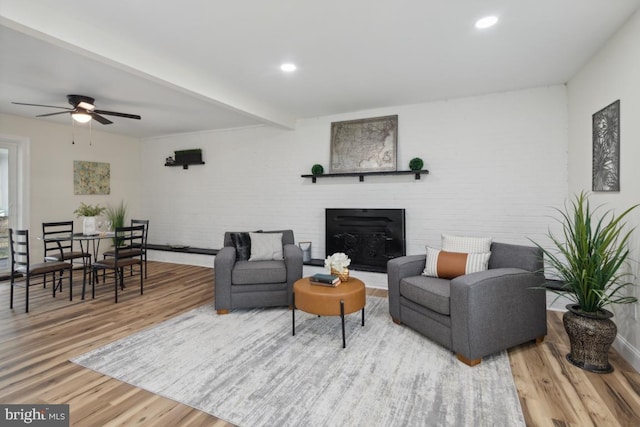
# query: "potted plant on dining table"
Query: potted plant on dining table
89,214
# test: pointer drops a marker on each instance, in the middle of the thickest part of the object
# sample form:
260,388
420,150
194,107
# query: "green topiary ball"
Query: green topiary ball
317,169
416,164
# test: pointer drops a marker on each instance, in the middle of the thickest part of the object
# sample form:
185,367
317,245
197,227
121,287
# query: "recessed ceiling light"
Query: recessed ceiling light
288,67
486,22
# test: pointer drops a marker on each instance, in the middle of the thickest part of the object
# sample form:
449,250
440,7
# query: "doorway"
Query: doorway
14,189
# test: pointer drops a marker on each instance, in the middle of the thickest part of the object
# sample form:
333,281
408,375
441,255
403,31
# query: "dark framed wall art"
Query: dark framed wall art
606,148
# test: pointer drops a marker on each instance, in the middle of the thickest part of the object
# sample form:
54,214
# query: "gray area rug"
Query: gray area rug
246,368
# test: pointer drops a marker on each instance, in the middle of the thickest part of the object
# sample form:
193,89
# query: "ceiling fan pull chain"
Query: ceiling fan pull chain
90,133
73,131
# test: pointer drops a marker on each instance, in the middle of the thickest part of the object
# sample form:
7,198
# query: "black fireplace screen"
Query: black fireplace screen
370,237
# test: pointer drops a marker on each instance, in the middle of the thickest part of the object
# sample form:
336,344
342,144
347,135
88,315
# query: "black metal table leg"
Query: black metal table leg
344,342
293,314
89,259
362,316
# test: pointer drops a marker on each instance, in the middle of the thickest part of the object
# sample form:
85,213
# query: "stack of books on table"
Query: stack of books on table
324,280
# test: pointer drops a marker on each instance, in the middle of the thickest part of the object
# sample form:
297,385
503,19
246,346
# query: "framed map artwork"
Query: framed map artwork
364,145
91,177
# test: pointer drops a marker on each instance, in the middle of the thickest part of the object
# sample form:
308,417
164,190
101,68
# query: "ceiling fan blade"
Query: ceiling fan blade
41,105
113,113
99,118
53,114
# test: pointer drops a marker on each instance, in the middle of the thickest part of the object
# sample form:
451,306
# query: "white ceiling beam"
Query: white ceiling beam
59,30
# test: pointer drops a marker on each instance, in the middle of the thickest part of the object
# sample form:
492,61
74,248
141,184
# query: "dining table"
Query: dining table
90,240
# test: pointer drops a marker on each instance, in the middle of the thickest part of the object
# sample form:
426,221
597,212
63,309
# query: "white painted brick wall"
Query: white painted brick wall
498,165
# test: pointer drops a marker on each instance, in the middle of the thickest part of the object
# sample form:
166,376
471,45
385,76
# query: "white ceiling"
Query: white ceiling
193,65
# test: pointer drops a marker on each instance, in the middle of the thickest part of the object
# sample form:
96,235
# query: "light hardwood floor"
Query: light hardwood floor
35,349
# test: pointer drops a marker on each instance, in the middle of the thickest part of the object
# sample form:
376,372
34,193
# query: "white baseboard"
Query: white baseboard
628,352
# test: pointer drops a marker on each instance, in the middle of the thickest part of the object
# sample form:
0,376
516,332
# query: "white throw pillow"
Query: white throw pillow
266,246
449,265
466,244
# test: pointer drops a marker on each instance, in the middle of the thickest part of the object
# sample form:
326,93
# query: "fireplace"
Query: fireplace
370,237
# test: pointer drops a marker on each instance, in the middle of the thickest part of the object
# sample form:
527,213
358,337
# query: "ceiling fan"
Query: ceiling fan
83,110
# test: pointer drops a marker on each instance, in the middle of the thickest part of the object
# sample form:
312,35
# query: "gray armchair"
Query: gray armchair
476,314
264,283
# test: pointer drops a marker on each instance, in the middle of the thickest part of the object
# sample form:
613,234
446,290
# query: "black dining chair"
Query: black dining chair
127,253
21,265
144,222
134,251
58,246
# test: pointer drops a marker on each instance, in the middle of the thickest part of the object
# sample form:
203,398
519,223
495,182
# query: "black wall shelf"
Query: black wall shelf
184,165
182,249
361,175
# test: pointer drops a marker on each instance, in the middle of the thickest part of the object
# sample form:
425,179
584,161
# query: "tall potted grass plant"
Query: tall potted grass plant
117,215
589,258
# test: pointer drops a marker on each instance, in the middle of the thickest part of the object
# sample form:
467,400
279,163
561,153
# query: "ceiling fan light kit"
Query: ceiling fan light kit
83,110
81,117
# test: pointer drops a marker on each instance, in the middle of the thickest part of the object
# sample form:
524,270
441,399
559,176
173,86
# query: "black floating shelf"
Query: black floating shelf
361,175
184,165
183,249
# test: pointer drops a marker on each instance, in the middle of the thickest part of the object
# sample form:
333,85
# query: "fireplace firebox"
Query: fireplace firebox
370,237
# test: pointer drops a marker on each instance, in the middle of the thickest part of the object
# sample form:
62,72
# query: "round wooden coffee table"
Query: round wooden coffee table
348,297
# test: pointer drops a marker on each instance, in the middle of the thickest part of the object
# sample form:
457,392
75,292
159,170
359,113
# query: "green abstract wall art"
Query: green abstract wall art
91,177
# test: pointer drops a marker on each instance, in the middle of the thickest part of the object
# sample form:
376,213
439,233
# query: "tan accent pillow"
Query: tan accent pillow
449,265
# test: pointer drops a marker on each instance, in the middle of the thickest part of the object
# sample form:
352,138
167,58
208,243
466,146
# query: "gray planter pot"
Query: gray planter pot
591,337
